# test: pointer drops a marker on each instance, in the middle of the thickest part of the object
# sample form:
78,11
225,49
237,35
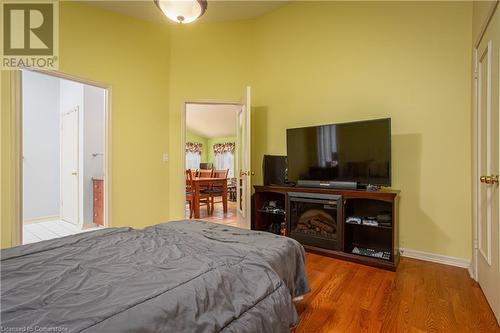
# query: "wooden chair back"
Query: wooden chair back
205,173
189,181
220,173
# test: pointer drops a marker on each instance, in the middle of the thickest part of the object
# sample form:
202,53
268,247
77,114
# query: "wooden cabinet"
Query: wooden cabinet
381,238
98,185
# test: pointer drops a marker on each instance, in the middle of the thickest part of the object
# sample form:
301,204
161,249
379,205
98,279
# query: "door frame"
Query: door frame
79,172
17,153
183,136
475,183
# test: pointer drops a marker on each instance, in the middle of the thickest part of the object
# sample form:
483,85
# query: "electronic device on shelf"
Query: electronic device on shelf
346,155
383,220
384,217
273,210
372,253
274,169
371,221
328,184
354,220
372,188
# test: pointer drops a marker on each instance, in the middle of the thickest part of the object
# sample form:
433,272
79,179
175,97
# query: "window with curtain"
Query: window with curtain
193,155
224,157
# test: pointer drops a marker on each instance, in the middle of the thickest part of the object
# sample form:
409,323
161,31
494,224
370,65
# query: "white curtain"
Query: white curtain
225,161
193,160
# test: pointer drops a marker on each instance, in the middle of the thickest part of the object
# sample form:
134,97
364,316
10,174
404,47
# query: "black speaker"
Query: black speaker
275,170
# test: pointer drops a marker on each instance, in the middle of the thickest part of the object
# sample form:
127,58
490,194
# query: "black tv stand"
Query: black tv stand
371,244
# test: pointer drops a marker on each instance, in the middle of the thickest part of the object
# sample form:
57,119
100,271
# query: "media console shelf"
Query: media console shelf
355,225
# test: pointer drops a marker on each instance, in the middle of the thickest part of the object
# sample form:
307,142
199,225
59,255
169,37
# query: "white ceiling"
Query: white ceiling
212,120
217,10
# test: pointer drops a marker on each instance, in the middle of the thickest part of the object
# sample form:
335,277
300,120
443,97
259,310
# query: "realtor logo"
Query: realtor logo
30,34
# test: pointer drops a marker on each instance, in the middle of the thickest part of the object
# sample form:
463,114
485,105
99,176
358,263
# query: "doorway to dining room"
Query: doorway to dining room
210,153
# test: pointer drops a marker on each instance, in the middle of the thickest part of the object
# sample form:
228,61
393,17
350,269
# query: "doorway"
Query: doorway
64,140
210,151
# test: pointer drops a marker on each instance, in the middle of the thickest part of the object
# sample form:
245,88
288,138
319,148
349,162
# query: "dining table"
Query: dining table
203,182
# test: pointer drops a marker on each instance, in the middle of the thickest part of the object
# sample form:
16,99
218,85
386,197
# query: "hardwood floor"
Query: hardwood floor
218,216
419,297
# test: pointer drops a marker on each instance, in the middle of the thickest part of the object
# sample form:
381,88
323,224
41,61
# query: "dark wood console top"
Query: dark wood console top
381,194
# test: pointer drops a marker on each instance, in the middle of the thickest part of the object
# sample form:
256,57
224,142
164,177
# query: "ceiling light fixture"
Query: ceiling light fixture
182,11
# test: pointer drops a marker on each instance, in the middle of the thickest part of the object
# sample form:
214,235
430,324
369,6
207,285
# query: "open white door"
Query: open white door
69,167
488,147
244,183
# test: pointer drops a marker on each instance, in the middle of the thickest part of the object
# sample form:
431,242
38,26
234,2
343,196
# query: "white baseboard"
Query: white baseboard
437,258
470,269
41,219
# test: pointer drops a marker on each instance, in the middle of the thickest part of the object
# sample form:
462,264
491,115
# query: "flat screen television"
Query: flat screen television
346,152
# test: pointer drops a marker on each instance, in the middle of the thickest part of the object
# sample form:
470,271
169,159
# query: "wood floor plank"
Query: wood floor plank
419,297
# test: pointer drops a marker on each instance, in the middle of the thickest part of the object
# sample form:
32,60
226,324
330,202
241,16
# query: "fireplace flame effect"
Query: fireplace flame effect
317,222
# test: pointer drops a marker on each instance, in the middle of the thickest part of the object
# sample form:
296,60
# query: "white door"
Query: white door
244,183
488,205
69,166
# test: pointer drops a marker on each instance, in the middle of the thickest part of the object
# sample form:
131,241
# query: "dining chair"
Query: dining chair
204,173
216,190
231,189
203,197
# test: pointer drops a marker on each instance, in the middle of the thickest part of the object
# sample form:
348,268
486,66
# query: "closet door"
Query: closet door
488,147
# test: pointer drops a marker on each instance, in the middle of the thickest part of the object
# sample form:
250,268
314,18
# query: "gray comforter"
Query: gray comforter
184,276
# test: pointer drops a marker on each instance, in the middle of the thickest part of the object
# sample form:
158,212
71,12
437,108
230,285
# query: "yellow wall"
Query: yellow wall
308,63
133,57
411,62
324,62
208,62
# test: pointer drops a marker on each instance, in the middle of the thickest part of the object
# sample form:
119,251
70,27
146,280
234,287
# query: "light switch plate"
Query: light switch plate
165,157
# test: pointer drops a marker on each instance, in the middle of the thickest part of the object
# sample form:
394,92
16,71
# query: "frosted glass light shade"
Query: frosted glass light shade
182,11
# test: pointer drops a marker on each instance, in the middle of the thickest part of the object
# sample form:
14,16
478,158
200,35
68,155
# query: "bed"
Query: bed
184,276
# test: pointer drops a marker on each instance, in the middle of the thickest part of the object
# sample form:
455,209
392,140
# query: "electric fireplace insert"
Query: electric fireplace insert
315,219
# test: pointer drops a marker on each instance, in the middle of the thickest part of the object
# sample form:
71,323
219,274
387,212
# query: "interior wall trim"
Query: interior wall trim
41,219
486,23
16,184
437,258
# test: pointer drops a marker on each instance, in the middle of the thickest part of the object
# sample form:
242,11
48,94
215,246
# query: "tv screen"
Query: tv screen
354,152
